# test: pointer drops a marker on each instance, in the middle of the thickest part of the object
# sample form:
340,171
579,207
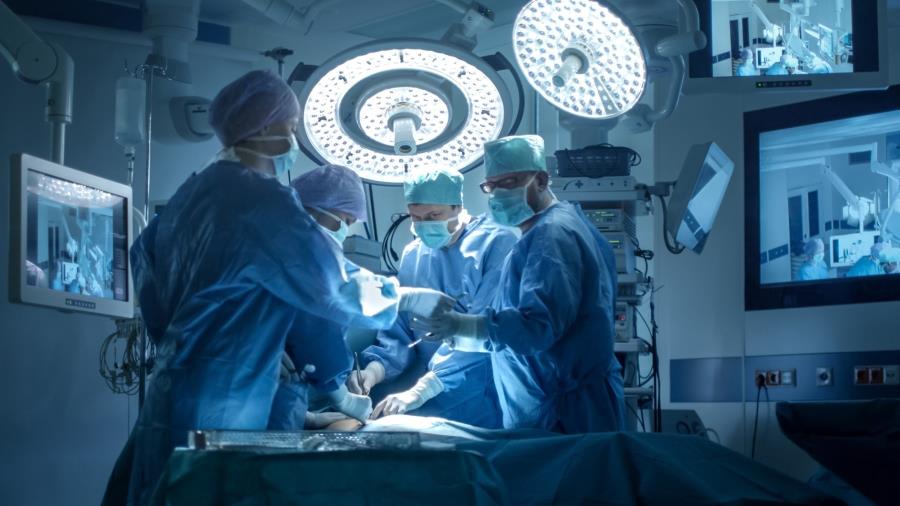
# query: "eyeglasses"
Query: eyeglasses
506,183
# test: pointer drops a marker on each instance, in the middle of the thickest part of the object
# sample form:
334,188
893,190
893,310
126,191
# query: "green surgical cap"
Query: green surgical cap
517,153
434,186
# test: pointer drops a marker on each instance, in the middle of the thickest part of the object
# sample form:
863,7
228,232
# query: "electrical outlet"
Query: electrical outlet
876,375
789,377
759,378
824,376
892,375
773,378
860,375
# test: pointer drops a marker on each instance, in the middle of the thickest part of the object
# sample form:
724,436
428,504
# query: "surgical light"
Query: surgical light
580,56
388,107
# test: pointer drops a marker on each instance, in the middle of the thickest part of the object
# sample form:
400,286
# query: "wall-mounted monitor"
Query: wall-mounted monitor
822,197
698,194
69,238
781,45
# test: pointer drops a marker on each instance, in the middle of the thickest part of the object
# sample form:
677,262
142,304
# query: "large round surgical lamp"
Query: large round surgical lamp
580,56
388,107
584,58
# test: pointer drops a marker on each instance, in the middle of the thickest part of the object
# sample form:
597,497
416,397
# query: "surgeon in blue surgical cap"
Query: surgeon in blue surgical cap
459,255
316,355
550,328
813,267
225,272
869,265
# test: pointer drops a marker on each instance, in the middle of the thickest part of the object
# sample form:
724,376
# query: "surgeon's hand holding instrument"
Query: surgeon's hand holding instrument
424,302
363,382
424,390
463,332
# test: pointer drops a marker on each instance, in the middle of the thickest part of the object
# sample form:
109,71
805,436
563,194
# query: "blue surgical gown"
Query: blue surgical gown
223,274
865,266
777,69
747,70
552,328
467,270
812,270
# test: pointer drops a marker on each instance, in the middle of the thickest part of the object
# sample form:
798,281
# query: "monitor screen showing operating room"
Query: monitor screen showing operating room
76,240
765,37
829,199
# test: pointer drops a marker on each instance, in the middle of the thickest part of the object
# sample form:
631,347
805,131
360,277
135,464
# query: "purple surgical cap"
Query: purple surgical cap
332,188
252,102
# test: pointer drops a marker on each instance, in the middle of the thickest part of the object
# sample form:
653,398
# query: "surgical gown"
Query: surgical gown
865,266
467,270
552,328
223,274
812,270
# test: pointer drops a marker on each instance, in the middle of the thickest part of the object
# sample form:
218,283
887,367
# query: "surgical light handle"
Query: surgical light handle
36,61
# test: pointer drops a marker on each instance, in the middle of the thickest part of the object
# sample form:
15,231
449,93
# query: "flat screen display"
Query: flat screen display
75,238
822,198
784,38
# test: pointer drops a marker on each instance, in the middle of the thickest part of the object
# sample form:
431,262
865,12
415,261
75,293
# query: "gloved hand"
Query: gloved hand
448,324
424,302
321,420
356,406
372,375
424,390
288,372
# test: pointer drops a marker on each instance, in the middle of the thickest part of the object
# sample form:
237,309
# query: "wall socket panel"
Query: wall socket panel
777,377
876,375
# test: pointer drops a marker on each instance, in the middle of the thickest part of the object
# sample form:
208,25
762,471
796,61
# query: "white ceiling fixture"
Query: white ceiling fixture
389,107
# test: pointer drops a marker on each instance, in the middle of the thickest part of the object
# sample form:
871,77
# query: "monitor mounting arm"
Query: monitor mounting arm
36,61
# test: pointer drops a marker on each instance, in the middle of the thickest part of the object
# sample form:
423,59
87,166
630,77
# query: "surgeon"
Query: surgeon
813,267
869,265
316,353
890,258
747,68
550,328
785,66
224,273
461,256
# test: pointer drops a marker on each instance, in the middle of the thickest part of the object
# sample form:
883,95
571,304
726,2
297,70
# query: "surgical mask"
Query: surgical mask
510,207
341,233
282,162
434,234
819,257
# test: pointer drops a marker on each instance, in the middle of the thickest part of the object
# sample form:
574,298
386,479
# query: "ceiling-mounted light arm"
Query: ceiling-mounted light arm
476,18
676,47
35,61
499,62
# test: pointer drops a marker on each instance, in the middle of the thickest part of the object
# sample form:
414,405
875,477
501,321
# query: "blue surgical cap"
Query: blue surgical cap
813,246
434,186
252,102
517,153
332,188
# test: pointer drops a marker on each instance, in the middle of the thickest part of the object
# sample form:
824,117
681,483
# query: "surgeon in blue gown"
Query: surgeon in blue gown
223,274
550,329
814,267
316,355
869,265
461,256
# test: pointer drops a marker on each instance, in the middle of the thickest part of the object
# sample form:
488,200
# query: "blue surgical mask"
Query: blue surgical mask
434,234
283,162
819,257
510,207
341,233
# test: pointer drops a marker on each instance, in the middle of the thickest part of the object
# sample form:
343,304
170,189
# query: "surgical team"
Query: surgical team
502,320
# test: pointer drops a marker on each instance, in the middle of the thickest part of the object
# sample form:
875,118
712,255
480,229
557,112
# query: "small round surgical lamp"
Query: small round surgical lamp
580,56
388,107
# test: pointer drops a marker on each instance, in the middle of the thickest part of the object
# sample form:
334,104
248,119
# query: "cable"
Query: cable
388,253
374,217
711,431
121,371
675,249
760,385
637,417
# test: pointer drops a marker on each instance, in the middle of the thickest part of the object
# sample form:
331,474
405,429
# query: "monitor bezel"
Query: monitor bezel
879,79
758,296
19,290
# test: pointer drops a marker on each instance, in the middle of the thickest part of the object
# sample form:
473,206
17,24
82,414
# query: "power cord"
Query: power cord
121,371
388,253
671,245
760,380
